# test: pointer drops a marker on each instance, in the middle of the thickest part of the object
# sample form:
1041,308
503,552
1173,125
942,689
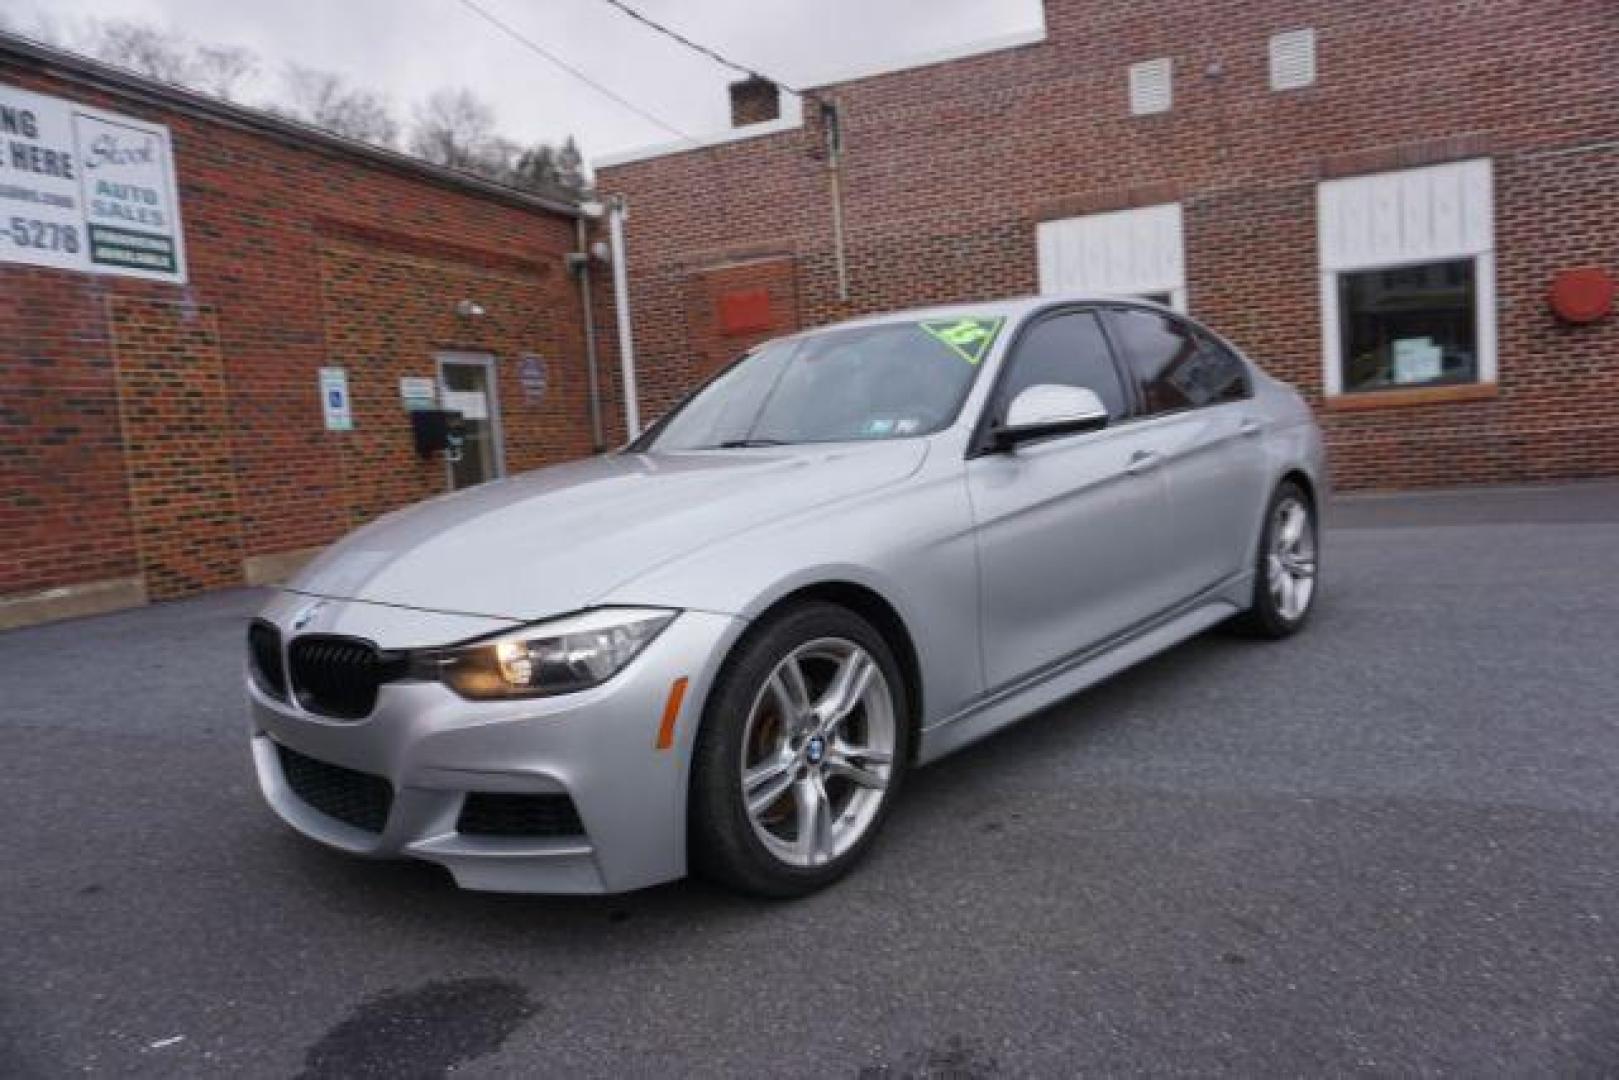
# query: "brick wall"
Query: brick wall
733,307
64,493
177,445
300,257
386,318
949,168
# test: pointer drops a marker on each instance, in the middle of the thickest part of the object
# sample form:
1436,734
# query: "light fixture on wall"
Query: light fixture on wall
469,309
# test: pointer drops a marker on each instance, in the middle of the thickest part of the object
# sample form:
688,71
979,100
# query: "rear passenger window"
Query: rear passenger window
1066,350
1176,367
1224,375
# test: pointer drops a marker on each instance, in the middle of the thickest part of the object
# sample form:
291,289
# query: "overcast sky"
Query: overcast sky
407,48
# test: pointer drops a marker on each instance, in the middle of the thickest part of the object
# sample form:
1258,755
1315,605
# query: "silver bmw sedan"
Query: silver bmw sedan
721,648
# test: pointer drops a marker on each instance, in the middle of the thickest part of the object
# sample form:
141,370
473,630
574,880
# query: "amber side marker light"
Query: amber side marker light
671,713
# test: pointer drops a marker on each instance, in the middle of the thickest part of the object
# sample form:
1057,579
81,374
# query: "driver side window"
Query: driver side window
1067,349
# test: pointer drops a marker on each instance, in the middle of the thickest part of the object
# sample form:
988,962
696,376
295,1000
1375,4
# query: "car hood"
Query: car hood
558,539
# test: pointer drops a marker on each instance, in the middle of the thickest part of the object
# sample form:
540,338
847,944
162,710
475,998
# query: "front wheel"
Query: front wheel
1285,579
802,748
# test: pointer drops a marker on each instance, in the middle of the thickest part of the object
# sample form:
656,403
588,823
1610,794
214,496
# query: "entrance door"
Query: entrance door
467,386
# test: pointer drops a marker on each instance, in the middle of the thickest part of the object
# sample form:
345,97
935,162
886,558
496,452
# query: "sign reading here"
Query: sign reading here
88,190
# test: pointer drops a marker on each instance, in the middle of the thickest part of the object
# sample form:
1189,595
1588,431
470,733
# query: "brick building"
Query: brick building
1373,198
163,430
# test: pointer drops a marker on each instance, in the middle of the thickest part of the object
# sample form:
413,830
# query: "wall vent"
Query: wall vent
1292,60
1151,87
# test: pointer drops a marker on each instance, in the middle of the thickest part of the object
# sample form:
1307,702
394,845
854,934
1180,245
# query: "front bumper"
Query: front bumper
433,747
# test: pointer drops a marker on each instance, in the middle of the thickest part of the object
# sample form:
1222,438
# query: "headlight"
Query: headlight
559,657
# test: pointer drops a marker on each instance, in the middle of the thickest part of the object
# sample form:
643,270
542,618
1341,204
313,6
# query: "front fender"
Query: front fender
912,544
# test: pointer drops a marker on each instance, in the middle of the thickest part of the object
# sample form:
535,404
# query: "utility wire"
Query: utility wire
698,47
533,46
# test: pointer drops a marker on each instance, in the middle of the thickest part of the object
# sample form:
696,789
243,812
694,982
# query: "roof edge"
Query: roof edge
32,55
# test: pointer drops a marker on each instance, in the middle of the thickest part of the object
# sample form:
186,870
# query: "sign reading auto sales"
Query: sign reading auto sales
89,190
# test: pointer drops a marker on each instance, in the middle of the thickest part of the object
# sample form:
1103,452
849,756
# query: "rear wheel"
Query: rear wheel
802,748
1285,579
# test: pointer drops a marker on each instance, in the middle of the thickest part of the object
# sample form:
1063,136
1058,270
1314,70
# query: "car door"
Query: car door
1195,395
1070,529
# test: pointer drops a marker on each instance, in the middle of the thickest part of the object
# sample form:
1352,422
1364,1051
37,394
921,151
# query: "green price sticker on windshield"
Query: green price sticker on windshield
969,339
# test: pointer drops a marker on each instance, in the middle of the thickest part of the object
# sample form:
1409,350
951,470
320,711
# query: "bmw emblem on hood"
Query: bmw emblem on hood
307,615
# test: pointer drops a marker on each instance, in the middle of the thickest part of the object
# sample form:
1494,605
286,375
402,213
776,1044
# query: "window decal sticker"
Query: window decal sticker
969,339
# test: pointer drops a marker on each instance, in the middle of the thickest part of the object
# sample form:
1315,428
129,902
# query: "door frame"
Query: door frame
497,435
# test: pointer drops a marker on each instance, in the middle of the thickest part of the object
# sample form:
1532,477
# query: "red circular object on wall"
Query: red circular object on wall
1582,296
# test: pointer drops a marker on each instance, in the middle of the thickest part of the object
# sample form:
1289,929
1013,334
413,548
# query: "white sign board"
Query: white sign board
471,404
88,190
532,373
418,393
1417,360
334,399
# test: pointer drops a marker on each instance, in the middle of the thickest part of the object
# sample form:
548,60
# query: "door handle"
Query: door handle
1250,427
1143,461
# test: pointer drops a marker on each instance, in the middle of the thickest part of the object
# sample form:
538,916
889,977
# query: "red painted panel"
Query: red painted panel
744,311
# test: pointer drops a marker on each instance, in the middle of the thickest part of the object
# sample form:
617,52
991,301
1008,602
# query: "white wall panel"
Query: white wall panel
1123,253
1414,215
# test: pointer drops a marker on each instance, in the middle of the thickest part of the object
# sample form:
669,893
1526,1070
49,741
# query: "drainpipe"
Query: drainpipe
621,300
582,268
832,123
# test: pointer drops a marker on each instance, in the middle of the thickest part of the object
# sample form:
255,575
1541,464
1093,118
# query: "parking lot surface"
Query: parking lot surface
1390,845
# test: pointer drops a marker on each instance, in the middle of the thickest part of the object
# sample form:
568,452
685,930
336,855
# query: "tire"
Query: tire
777,729
1280,609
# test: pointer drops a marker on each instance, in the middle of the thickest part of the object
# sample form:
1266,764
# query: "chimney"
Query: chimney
754,100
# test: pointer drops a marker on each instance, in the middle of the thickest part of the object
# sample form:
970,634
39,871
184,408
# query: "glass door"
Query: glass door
467,386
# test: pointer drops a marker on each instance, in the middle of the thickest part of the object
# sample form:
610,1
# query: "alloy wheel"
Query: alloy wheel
818,752
1291,562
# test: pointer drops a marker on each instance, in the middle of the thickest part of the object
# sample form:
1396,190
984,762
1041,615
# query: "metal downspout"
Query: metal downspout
621,301
591,373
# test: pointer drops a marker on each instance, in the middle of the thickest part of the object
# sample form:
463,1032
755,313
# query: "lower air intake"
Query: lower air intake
489,814
354,798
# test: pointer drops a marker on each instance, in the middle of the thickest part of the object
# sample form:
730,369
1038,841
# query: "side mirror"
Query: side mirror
1040,412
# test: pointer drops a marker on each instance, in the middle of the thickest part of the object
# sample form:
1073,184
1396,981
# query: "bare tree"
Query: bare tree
457,128
220,69
327,101
454,128
142,48
149,50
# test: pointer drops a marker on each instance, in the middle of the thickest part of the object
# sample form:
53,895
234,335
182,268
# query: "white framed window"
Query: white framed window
1151,87
1135,253
1292,59
1408,279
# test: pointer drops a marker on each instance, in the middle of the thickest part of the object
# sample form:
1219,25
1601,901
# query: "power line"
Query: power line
533,46
698,47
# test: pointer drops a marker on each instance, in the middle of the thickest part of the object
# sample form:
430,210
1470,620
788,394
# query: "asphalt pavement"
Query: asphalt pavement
1389,845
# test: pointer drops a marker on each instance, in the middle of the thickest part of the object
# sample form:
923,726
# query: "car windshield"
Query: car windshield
888,381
